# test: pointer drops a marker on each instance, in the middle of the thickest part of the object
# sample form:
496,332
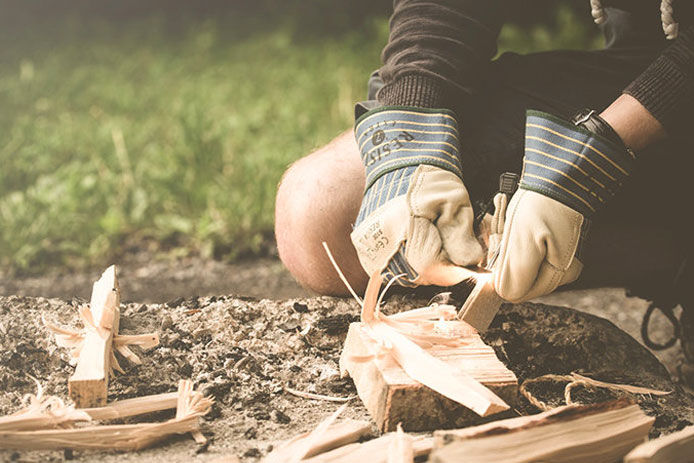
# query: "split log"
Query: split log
88,386
678,446
373,451
391,396
482,304
601,433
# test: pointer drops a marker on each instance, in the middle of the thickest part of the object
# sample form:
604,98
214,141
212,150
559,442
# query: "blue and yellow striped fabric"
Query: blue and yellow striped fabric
391,138
399,267
570,164
393,142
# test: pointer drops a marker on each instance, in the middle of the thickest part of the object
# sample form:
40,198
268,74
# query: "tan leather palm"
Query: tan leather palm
435,221
538,247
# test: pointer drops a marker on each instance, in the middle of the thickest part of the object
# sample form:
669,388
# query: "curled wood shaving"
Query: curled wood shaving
42,412
575,380
339,272
431,312
73,339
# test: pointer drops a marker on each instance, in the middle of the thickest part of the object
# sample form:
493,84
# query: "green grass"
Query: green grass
131,132
175,139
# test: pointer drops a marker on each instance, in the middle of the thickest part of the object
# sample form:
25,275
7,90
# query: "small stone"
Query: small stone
289,326
202,333
166,323
279,416
250,433
176,302
261,415
252,453
185,370
328,374
301,308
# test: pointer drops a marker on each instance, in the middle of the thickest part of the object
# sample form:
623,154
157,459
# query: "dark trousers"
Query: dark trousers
639,241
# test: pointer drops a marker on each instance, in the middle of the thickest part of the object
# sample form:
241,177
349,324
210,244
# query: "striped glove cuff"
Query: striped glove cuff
572,165
392,138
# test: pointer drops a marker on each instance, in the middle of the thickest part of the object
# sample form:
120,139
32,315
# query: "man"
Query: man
603,195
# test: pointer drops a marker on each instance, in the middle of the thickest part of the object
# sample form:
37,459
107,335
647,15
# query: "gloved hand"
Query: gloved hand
569,172
416,218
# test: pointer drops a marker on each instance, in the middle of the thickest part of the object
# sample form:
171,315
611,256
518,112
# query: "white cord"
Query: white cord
670,27
597,11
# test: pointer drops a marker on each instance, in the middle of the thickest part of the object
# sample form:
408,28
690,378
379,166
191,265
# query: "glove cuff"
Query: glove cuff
395,137
571,164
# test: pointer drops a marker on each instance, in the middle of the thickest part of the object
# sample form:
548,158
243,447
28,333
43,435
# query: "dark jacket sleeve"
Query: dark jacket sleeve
438,51
666,87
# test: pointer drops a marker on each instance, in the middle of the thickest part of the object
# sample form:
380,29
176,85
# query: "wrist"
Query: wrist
632,122
590,120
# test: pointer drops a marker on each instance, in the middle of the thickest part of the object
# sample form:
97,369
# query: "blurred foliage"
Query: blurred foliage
178,130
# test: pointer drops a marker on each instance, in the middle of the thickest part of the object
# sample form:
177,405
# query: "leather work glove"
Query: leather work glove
416,217
569,173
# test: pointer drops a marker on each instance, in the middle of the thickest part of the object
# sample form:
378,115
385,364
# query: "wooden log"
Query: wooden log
675,447
88,386
391,396
601,433
482,304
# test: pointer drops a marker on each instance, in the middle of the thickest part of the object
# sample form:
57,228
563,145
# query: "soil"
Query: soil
243,351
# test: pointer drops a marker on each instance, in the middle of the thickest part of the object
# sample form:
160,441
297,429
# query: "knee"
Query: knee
312,208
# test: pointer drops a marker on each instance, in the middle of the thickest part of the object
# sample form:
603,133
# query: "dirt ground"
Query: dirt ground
145,279
236,330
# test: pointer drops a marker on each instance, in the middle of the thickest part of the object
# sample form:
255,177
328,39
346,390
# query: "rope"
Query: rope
597,11
670,26
534,400
575,380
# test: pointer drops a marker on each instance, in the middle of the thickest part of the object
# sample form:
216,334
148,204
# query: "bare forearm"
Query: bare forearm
633,123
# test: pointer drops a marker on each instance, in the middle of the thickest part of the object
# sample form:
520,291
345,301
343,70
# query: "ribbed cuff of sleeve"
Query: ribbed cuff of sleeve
666,89
416,90
424,91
